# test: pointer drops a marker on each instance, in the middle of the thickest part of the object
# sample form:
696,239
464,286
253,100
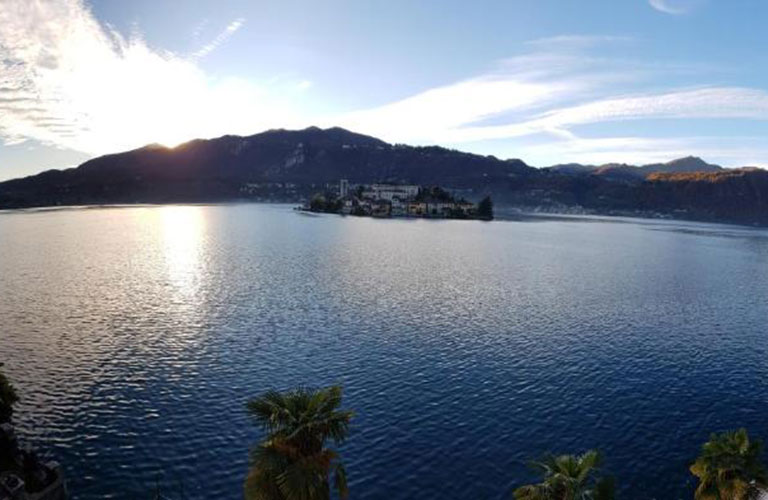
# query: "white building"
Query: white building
343,188
390,191
399,207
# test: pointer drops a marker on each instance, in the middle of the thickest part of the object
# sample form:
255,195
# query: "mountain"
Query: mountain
572,169
687,164
620,172
735,195
630,173
278,164
290,165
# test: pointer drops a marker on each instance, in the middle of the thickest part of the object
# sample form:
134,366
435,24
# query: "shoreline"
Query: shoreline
504,212
305,210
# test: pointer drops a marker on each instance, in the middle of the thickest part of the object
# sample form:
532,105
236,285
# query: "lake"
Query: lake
135,336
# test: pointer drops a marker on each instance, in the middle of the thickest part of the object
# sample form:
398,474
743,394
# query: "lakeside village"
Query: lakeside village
397,200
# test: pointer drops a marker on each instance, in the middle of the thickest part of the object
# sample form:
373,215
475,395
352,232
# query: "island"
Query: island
396,200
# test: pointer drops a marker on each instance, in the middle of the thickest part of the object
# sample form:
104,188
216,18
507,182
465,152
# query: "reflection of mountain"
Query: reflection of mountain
282,165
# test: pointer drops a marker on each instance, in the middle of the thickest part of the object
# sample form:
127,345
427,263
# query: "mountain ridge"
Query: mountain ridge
637,173
291,165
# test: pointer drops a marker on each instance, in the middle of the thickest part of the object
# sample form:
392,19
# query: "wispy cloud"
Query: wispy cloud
304,85
718,102
66,80
575,41
222,37
199,28
552,93
433,114
518,89
545,91
674,7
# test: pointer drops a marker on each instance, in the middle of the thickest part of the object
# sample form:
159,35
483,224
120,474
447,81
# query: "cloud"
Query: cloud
433,114
201,26
517,89
304,85
575,41
545,96
674,7
546,92
68,81
222,37
713,103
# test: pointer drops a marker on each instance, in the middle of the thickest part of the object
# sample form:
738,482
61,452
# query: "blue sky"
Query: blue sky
547,81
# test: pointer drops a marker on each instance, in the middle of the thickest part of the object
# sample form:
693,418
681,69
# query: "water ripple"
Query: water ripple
136,335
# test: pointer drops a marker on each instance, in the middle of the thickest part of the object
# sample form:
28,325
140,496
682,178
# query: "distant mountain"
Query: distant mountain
687,164
572,169
620,172
736,195
630,173
290,165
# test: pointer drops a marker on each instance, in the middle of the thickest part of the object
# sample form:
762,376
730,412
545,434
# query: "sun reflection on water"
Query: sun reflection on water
183,233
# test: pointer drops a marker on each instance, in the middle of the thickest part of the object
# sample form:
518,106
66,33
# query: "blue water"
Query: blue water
136,335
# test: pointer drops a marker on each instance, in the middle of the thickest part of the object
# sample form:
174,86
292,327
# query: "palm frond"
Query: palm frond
293,454
568,477
605,488
531,492
340,481
729,466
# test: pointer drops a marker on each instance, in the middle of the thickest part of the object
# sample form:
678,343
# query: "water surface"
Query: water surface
135,336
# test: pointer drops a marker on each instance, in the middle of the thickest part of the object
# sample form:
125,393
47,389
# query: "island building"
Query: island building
388,191
396,200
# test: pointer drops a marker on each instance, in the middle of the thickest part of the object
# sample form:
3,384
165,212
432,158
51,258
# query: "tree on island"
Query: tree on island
293,462
8,398
729,468
317,203
568,477
485,208
325,203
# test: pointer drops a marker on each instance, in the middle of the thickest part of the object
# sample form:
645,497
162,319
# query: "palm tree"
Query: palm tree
292,463
568,477
8,398
729,467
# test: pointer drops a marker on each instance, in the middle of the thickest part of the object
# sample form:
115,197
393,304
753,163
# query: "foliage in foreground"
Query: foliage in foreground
729,467
568,477
293,462
8,398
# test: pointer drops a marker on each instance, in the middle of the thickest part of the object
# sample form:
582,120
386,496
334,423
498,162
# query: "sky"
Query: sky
546,81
